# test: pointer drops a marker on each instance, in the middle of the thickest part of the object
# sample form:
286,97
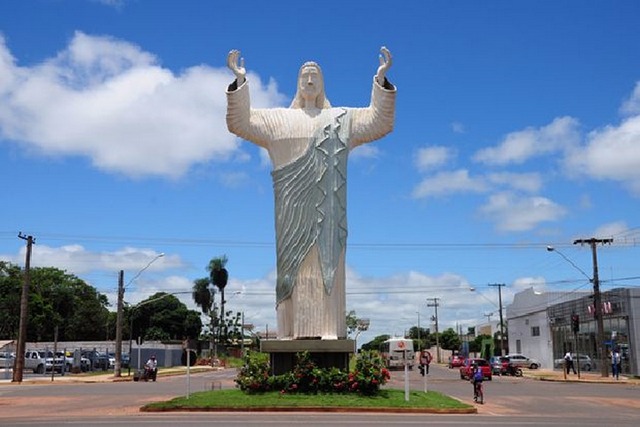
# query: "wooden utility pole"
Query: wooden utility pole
18,365
435,318
117,370
597,303
500,286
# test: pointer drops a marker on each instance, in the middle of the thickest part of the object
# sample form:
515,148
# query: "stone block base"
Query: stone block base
325,353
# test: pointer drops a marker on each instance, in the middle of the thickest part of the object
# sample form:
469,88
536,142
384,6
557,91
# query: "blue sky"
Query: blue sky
517,127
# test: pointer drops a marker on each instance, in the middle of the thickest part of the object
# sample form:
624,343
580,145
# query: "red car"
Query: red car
466,370
456,361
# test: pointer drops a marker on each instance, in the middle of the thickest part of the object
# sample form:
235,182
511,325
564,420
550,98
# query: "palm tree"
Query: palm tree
219,276
202,295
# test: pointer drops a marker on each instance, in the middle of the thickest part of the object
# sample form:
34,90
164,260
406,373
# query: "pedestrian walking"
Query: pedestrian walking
615,364
425,361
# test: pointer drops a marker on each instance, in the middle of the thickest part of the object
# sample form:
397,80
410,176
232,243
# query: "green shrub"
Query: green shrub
254,375
366,379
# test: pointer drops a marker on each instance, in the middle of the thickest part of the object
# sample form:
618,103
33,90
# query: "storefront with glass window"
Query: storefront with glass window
621,319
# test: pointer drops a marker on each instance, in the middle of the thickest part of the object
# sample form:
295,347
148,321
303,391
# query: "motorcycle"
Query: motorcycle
146,374
512,370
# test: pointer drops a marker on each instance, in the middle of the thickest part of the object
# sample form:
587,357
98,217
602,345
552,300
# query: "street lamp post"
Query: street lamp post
597,303
117,370
140,304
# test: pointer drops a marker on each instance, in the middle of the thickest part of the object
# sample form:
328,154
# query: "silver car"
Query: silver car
522,361
586,363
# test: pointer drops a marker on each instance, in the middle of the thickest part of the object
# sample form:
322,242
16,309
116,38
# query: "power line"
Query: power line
181,241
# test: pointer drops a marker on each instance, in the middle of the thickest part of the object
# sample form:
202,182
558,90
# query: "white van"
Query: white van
397,352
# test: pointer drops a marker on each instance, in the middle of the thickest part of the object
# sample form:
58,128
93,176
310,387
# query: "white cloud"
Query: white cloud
610,230
528,182
611,153
518,147
114,103
445,183
539,284
631,106
116,4
457,127
77,260
511,212
365,151
429,158
392,303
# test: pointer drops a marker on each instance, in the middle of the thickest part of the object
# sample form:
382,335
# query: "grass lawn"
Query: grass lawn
236,400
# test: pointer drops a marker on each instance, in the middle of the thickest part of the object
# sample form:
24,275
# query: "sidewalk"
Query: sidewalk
588,377
102,377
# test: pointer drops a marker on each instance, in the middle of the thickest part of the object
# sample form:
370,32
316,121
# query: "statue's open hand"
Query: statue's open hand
236,64
385,64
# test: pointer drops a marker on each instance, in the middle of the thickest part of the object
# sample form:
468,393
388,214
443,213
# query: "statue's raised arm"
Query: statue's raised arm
385,64
236,64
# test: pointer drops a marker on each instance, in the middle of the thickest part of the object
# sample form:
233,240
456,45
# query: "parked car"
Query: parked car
124,360
68,357
522,361
98,360
466,370
456,361
586,363
6,359
499,364
40,361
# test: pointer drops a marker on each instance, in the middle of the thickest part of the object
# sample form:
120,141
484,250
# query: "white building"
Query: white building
529,326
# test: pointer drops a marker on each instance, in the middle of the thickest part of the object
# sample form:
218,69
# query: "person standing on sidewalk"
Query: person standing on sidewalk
615,364
568,361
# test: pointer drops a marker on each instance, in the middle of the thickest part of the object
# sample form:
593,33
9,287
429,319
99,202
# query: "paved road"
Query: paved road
613,404
510,402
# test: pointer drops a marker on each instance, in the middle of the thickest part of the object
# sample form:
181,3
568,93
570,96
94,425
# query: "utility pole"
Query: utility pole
419,342
488,316
500,286
435,318
18,365
117,370
597,302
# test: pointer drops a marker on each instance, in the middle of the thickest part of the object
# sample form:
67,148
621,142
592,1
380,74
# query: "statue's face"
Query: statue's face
310,82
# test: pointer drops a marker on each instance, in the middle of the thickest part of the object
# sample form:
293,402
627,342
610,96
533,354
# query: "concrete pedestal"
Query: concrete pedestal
325,353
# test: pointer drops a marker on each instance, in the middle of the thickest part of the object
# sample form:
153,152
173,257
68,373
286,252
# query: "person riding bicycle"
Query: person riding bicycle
476,379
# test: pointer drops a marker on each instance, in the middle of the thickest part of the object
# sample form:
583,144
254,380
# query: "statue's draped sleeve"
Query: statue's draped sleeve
376,120
241,120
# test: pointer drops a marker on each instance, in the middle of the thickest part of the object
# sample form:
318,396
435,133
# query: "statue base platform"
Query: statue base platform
325,353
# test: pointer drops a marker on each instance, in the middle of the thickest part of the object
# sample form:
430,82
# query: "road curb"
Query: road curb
330,409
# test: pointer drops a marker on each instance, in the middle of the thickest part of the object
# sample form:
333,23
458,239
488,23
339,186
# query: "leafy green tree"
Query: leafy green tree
421,337
450,340
10,290
475,346
163,316
374,344
56,299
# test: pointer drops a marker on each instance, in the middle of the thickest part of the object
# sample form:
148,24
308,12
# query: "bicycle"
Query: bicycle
478,394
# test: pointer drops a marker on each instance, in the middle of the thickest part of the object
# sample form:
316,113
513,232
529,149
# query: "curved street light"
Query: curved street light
140,304
117,370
